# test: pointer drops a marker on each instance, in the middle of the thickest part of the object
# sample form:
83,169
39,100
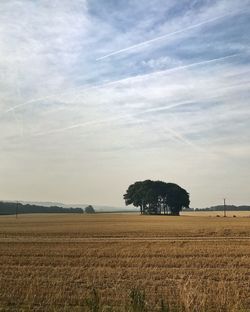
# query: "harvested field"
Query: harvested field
192,263
123,225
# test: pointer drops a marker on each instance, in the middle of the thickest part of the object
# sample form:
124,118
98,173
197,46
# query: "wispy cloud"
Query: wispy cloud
163,37
120,81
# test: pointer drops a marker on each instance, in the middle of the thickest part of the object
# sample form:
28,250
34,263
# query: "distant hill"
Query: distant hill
9,207
98,208
228,208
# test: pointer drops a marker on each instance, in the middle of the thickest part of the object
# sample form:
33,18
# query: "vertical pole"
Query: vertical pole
225,207
16,209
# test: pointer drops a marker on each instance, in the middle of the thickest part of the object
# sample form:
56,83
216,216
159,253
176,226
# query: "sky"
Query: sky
98,94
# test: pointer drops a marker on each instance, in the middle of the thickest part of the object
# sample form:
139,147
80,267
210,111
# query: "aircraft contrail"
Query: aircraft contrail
126,116
160,72
95,122
36,100
132,78
169,70
145,43
174,133
143,112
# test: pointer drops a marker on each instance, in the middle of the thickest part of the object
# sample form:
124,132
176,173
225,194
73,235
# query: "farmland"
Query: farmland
195,262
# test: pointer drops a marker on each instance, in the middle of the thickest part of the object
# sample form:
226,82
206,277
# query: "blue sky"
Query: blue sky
98,94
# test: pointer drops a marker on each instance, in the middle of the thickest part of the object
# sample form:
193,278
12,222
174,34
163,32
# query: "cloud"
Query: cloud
163,37
125,80
39,50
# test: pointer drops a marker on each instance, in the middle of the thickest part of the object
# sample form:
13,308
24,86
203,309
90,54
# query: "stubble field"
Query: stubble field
125,262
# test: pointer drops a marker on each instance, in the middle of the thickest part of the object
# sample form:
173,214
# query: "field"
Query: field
125,262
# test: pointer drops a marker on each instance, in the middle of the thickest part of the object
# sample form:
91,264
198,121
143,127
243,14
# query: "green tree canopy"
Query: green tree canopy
89,209
157,197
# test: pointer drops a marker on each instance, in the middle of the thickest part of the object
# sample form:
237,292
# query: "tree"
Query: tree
177,198
89,209
140,194
157,197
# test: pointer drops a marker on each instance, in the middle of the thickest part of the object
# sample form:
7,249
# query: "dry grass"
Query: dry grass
124,225
195,263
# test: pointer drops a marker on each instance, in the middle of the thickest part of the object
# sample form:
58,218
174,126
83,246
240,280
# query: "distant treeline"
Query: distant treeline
228,208
8,208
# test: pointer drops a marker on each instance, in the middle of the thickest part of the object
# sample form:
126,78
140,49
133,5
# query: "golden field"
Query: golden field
195,262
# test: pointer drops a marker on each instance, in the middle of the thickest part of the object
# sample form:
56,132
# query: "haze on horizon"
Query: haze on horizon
95,95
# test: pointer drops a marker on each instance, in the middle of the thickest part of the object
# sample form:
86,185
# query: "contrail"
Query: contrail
132,78
94,122
161,72
36,100
143,112
145,43
174,133
107,120
173,69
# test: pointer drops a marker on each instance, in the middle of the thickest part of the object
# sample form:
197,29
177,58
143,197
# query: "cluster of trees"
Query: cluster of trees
9,208
157,197
89,209
228,208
